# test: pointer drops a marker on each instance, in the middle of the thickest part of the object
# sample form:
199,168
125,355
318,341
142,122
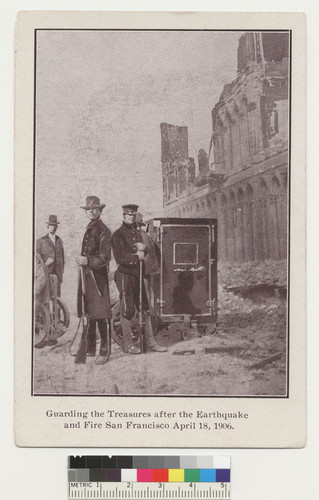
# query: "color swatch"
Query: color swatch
143,469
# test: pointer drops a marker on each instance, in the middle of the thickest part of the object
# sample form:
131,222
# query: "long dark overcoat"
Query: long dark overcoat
96,246
46,249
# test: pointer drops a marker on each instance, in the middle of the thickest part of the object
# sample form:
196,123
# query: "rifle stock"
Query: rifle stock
81,354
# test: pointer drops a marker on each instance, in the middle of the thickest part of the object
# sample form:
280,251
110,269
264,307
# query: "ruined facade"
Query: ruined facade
243,179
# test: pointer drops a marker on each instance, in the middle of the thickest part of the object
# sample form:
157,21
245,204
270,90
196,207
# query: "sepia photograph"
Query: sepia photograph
161,212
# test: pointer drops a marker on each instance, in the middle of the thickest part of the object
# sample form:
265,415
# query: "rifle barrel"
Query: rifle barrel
81,355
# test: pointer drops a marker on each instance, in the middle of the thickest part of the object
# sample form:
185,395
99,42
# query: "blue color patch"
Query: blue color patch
208,475
223,475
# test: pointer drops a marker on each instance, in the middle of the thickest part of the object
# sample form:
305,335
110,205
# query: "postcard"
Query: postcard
160,229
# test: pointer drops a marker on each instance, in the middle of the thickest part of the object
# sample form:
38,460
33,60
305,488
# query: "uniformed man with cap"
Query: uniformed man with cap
129,250
95,257
50,247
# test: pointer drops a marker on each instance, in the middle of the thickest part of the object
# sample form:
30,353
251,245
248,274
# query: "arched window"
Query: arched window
275,185
214,209
240,226
249,217
224,228
232,198
264,187
240,195
249,192
264,227
224,201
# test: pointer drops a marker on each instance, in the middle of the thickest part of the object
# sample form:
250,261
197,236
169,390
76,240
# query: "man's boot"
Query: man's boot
150,341
104,348
91,345
128,347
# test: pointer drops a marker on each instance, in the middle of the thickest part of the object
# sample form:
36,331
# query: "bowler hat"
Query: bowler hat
93,202
139,219
53,220
130,209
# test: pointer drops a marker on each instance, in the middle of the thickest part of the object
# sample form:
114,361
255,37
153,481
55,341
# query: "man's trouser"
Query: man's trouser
57,284
103,328
128,287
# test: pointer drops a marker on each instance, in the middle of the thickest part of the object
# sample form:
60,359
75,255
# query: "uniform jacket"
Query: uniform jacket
46,249
96,246
123,243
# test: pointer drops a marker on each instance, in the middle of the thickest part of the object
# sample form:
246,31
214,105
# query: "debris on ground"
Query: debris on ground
246,355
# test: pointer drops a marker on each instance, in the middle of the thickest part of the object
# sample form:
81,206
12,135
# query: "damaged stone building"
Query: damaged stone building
243,179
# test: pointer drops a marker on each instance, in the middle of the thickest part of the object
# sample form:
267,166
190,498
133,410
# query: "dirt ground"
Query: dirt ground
219,364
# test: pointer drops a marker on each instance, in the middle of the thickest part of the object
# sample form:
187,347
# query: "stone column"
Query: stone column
283,223
266,230
231,236
223,231
258,217
274,227
240,234
248,228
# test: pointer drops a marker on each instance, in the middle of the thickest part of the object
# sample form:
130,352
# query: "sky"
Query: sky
100,99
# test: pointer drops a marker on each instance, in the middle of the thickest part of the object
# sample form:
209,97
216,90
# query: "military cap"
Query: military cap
130,209
53,220
93,202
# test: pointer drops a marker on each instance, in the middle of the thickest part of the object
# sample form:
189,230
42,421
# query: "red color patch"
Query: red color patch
160,476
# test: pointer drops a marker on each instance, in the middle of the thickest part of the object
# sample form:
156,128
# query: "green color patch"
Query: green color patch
192,476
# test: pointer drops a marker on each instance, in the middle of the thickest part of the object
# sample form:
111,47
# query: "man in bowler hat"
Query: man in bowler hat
50,247
129,250
95,257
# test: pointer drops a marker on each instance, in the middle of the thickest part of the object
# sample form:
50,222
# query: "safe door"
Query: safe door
187,283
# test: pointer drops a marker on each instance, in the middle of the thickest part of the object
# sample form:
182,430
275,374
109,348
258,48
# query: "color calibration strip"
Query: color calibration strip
150,469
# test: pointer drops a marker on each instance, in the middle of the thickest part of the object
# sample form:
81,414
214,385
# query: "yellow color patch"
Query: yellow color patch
176,475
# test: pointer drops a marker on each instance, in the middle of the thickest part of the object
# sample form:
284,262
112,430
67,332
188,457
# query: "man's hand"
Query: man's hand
49,261
140,247
140,255
81,261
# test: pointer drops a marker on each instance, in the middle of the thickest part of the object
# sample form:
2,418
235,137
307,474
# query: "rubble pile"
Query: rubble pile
245,276
229,302
252,274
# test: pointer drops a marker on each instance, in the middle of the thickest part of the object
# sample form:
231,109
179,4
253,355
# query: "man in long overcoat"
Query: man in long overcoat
50,247
129,251
95,257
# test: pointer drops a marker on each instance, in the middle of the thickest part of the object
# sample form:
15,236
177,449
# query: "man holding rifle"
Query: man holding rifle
94,260
129,253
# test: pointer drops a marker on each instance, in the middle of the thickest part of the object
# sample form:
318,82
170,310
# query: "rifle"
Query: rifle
81,354
54,288
141,328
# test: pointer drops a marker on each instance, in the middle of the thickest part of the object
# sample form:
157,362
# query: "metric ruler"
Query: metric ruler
148,491
149,477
